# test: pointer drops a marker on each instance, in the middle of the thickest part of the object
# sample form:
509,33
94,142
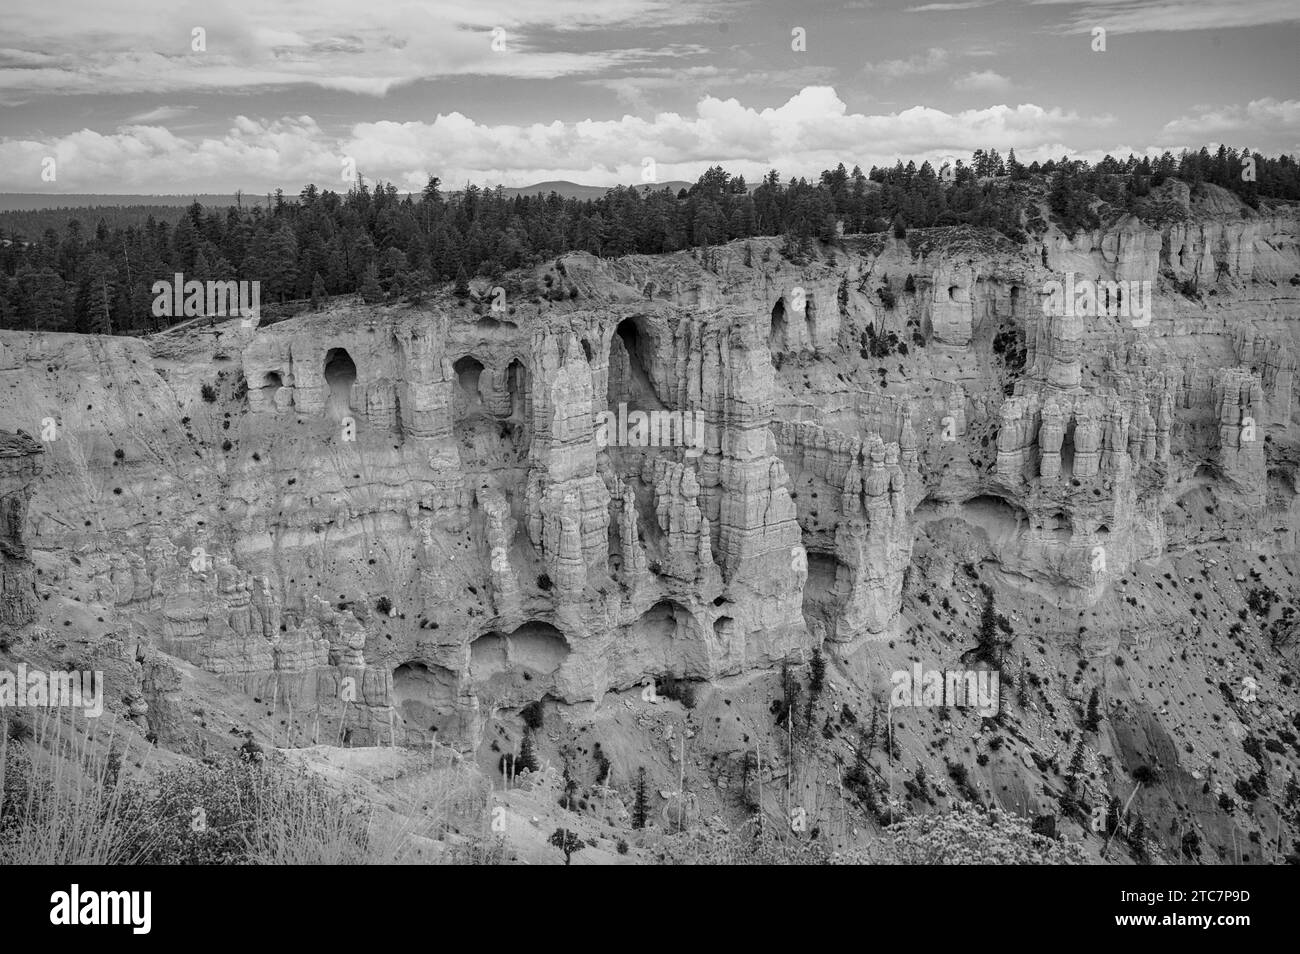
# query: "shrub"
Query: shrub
972,835
383,605
209,393
1147,775
682,690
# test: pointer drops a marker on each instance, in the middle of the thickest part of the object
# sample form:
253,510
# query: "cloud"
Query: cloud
983,81
811,131
1158,16
1213,124
931,61
131,46
948,7
159,114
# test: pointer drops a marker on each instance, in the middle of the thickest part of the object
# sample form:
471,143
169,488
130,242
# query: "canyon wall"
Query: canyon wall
402,519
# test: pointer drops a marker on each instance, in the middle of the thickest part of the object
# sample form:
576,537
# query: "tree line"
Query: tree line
390,246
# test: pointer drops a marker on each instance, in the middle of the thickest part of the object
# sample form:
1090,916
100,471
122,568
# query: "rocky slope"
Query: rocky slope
395,524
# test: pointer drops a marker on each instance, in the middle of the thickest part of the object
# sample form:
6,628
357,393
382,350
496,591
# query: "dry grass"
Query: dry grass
63,806
65,798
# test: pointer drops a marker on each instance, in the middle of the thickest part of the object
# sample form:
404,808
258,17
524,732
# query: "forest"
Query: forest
96,277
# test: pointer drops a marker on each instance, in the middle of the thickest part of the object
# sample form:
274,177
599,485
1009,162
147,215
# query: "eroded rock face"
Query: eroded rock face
20,467
404,519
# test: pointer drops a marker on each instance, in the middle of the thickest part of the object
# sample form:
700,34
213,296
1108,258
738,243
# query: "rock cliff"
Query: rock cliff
399,522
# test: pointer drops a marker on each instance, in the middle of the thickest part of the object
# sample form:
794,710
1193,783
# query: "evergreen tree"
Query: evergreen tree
371,293
817,670
373,238
988,646
1076,767
640,802
526,761
318,294
1093,721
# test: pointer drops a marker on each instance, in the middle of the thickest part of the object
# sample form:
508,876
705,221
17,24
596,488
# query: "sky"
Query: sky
137,96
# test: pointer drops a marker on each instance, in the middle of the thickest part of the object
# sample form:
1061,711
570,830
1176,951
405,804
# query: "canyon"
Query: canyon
396,523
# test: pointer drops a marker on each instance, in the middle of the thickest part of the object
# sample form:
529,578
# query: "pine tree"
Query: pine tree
461,289
318,293
640,803
527,758
1137,839
1076,767
817,670
1093,721
987,638
371,293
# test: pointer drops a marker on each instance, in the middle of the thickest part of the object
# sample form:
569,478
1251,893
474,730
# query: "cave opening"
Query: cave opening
776,333
423,694
520,667
631,360
822,597
468,370
1000,519
340,375
665,641
517,385
1067,452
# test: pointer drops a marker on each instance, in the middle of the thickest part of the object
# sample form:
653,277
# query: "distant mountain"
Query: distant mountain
572,190
33,201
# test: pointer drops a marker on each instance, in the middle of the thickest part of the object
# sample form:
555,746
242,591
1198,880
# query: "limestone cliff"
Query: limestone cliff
401,520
